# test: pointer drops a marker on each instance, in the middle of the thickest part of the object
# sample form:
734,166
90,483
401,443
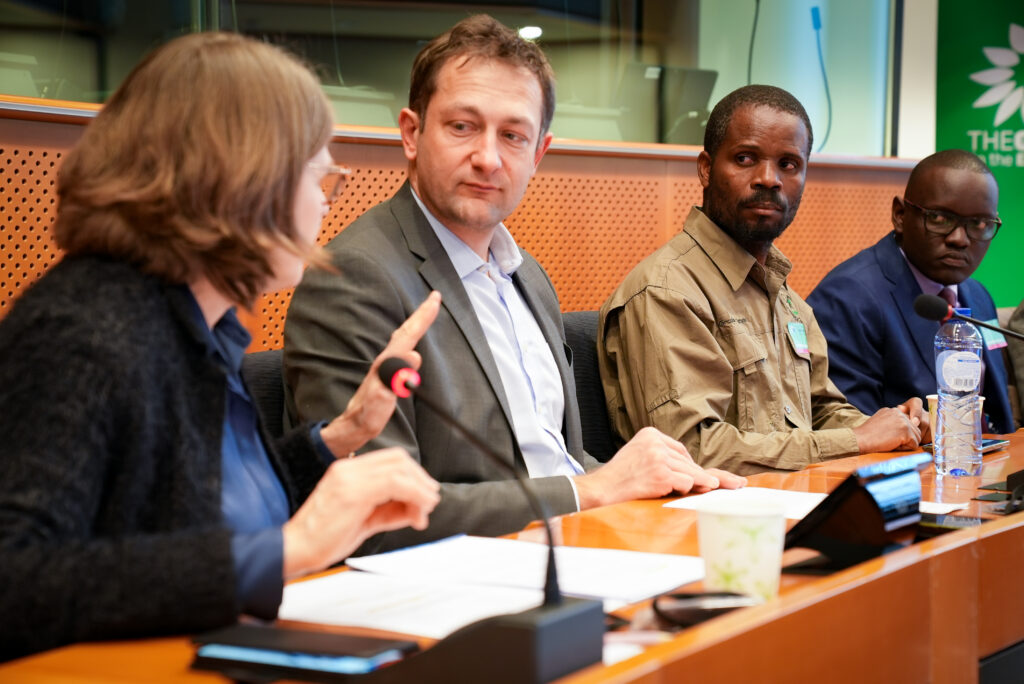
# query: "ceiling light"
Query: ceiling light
530,32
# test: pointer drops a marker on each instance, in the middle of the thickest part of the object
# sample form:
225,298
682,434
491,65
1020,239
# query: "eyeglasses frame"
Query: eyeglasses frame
957,220
342,174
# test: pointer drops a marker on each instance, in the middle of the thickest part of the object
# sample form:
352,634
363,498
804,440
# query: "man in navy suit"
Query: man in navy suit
879,350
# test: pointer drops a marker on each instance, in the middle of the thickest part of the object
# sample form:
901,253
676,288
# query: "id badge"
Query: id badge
798,335
993,338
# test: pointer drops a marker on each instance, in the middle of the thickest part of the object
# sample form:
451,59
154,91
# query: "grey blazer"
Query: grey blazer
389,261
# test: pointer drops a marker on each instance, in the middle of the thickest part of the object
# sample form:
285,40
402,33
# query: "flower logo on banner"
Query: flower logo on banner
1003,89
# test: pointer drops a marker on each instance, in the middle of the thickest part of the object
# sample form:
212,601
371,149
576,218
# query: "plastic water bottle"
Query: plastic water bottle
958,377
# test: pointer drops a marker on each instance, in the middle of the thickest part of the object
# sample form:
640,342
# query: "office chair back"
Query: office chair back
265,380
581,336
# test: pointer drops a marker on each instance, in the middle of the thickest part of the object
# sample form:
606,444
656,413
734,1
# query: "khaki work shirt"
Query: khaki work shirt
711,348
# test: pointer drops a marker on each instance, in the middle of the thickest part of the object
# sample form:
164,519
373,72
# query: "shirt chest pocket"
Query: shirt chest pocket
747,355
799,384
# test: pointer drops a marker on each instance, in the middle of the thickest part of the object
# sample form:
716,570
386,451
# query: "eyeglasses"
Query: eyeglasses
936,222
334,179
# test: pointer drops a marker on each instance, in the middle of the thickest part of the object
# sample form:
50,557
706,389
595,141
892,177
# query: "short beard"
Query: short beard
746,233
759,231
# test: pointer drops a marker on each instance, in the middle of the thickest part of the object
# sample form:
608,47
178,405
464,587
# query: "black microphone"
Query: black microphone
404,381
935,308
536,645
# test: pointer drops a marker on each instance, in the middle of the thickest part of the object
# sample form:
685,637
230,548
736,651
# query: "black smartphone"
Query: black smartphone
686,609
987,444
933,524
284,652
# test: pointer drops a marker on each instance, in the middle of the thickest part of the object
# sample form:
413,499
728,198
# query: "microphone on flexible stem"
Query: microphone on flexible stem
538,645
935,308
404,381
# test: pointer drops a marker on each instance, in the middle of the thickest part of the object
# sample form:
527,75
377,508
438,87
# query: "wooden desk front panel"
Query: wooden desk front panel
1001,584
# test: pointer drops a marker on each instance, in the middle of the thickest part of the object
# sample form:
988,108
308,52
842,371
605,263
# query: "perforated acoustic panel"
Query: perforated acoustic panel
842,212
588,218
377,172
27,207
588,226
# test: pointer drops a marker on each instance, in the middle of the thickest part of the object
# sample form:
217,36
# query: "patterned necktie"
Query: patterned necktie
950,296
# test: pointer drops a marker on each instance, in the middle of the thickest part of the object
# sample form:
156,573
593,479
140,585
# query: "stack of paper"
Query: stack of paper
396,604
433,589
795,504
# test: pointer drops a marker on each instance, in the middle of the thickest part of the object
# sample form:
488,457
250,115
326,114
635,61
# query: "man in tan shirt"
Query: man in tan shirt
704,339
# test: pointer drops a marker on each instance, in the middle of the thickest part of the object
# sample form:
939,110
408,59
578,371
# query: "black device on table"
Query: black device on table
687,609
258,652
987,444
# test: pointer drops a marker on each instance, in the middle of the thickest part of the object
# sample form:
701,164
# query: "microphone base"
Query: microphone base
537,645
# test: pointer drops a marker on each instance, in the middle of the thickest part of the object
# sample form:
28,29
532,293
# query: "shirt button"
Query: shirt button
789,410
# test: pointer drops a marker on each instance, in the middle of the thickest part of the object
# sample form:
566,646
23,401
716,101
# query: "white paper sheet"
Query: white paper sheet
796,504
591,573
399,604
937,508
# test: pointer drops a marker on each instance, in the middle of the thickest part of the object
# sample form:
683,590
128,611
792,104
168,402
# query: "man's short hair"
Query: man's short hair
191,167
753,96
485,37
948,159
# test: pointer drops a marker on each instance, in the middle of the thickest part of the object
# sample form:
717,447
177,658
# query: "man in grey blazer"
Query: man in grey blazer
495,357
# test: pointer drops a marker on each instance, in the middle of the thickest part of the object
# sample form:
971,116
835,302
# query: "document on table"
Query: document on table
399,604
795,504
589,573
939,508
433,589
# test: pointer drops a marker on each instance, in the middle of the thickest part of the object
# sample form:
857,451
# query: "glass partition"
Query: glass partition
644,71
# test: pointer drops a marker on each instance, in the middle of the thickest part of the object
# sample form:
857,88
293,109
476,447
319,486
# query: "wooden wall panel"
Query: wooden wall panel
842,212
28,200
377,172
589,227
587,217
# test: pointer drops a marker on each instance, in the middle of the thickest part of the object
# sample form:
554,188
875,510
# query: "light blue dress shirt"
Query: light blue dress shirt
525,363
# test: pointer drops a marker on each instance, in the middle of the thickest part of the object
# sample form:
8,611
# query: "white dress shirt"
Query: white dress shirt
529,375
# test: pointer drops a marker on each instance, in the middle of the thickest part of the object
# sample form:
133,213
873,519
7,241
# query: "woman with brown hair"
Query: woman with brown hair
138,493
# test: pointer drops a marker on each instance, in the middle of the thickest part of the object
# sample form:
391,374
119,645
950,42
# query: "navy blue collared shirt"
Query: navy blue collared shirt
253,500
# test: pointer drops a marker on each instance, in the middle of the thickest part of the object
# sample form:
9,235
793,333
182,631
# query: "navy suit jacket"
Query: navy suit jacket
881,353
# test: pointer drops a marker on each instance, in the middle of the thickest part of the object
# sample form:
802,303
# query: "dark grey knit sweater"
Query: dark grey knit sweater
110,431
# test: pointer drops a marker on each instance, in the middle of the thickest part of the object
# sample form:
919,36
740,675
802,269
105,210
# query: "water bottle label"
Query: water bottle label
959,370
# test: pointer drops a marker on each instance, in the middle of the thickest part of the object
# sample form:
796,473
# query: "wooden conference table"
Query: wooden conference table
928,612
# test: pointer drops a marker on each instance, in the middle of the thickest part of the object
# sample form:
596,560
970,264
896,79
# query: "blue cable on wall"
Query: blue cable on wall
753,33
816,22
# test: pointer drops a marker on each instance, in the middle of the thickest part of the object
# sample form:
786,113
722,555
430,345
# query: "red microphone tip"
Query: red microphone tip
403,381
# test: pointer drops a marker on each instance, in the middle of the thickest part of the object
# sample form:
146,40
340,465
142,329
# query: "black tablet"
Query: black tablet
283,652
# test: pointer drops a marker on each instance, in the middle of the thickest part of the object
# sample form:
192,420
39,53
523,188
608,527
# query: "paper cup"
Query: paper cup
742,548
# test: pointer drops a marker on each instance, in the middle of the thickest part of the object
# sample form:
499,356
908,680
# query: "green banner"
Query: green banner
979,106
